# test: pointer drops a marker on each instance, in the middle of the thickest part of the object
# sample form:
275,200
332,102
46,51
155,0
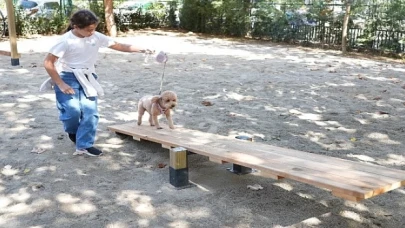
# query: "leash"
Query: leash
161,80
160,58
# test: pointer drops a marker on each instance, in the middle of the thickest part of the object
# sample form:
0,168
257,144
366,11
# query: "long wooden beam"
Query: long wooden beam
346,179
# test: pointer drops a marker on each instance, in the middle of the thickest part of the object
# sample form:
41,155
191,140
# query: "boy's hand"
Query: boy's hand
65,88
148,51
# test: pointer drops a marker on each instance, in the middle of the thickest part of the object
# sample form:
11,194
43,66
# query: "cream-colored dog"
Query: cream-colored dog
157,105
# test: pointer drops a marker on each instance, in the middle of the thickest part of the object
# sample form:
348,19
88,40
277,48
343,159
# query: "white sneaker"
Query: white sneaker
92,151
79,152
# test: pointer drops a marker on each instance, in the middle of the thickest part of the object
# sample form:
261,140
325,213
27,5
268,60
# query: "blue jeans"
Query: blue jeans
77,112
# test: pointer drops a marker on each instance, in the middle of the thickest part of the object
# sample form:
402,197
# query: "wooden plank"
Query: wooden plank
336,167
362,185
256,145
348,197
268,174
323,166
241,159
6,53
338,163
216,160
166,146
347,179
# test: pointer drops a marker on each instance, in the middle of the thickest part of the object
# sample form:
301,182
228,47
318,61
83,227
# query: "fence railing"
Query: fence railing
375,24
386,40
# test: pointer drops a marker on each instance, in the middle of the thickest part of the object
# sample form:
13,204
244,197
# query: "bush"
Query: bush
30,24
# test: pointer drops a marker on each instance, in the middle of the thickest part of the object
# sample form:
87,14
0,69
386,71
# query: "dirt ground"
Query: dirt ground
306,99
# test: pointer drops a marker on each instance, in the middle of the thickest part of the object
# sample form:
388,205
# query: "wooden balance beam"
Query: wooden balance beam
346,179
7,53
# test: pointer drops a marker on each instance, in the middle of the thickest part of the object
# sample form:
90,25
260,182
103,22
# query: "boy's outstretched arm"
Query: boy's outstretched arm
129,48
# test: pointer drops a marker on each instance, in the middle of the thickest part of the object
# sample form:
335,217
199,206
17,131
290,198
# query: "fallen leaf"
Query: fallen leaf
353,139
382,112
161,165
27,170
377,98
36,186
255,187
37,150
207,103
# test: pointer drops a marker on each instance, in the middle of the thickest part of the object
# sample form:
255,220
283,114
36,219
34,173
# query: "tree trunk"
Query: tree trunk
345,26
109,18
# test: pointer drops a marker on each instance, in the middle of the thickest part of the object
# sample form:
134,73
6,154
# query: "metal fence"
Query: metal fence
373,25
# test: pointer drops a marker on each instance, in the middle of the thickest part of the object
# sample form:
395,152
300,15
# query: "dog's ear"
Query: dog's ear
155,99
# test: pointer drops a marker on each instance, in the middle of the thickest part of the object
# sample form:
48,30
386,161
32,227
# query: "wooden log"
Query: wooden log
109,18
15,61
178,167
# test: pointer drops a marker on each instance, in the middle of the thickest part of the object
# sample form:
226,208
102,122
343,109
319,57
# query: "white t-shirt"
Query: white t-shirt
76,52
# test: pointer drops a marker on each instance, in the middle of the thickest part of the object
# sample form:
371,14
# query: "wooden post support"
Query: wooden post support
238,169
179,168
15,61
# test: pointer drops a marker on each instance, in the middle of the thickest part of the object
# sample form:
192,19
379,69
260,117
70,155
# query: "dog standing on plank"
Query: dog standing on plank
157,105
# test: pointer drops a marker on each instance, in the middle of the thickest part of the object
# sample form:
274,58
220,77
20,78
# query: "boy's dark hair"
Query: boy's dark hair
82,19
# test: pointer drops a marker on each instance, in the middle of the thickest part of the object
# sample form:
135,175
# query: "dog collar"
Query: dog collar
161,109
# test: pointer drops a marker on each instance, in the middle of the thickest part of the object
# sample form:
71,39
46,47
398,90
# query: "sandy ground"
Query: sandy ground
309,100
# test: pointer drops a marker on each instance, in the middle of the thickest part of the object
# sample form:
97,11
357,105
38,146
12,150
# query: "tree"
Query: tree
109,18
348,4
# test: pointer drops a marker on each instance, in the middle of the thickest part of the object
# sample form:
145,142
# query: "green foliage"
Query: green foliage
98,8
377,24
229,17
28,24
197,15
270,22
383,27
173,17
149,15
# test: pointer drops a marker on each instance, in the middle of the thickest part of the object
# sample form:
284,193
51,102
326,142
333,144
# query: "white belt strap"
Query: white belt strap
90,85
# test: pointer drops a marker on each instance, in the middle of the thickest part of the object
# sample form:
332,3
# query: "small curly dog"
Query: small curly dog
157,105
